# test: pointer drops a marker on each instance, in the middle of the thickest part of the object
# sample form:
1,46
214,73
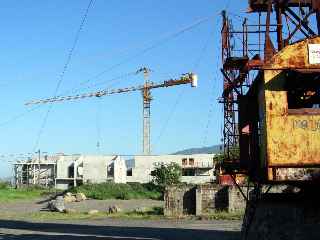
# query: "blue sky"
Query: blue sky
36,37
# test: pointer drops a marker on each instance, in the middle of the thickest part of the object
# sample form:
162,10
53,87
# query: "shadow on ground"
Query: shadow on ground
11,229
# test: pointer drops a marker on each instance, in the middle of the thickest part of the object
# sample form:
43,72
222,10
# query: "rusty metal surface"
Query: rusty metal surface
292,136
272,136
225,180
295,174
262,5
304,111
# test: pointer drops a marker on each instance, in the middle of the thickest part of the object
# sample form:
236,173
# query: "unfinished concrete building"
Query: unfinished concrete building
196,168
64,171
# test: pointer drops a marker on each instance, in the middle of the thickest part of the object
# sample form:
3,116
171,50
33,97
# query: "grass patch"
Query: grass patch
4,185
155,213
146,214
8,194
45,216
151,213
128,191
223,215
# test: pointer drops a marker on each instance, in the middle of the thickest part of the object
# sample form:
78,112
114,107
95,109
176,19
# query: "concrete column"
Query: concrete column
75,173
198,201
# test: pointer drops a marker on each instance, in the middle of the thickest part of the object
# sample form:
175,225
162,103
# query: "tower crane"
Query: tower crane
188,78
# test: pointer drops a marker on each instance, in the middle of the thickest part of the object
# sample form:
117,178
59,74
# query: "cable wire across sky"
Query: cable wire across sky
64,70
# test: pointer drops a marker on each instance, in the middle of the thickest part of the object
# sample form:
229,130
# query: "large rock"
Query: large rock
57,205
93,211
113,209
69,198
141,210
80,197
68,194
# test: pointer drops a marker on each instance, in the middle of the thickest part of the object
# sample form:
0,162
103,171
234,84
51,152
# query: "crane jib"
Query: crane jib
184,79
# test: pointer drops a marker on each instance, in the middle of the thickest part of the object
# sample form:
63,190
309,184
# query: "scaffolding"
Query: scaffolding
40,172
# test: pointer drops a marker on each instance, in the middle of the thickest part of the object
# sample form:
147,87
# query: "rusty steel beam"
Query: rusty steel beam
262,5
279,26
298,27
318,21
268,46
231,86
302,21
229,136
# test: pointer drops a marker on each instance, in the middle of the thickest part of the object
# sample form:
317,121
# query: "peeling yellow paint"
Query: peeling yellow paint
291,139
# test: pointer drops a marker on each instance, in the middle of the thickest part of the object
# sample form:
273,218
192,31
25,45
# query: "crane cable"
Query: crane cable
154,45
18,116
61,76
150,46
98,125
114,81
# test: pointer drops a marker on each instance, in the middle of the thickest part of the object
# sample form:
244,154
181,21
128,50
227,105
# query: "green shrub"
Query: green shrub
4,185
167,174
122,191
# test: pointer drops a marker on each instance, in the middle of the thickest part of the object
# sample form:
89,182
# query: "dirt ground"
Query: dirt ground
84,206
108,228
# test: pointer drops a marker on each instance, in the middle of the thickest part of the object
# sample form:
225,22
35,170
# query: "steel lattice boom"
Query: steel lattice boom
188,78
185,79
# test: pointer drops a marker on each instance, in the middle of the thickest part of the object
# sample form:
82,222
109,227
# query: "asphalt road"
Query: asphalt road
108,228
120,229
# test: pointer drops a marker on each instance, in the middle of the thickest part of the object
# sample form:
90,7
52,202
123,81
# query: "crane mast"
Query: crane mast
146,98
188,78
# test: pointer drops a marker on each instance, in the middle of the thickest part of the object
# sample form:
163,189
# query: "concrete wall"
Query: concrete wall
87,169
120,170
63,175
180,200
211,197
284,216
63,164
236,200
202,199
209,203
95,168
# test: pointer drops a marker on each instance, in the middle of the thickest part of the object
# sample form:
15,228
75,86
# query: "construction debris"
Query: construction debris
57,205
69,197
80,197
113,209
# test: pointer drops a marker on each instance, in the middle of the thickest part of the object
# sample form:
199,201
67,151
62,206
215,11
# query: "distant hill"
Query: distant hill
203,150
